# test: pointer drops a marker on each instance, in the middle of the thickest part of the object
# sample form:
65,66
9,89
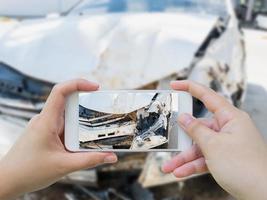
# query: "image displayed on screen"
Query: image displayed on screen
123,120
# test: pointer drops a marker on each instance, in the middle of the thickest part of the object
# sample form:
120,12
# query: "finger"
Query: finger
212,101
55,104
210,98
200,133
197,166
85,160
187,156
210,123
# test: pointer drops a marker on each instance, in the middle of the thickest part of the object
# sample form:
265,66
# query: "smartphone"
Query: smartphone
126,121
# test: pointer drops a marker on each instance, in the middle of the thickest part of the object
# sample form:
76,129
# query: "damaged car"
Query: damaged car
121,44
136,121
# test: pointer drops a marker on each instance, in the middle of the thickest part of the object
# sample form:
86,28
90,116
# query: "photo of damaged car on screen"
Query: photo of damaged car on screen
136,121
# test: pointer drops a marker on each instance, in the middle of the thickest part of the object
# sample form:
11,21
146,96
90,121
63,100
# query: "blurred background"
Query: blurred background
130,44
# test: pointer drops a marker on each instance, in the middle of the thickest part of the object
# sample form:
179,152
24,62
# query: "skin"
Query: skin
228,146
39,158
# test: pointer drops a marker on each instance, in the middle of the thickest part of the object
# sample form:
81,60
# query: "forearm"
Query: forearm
5,189
257,189
8,188
260,185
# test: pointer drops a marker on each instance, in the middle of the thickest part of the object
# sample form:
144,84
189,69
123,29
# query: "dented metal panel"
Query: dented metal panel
107,53
222,66
145,127
115,103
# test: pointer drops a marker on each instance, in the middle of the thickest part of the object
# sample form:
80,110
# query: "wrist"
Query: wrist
4,188
257,190
7,188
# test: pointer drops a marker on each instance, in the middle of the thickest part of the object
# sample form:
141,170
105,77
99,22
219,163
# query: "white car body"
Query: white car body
115,103
118,47
261,21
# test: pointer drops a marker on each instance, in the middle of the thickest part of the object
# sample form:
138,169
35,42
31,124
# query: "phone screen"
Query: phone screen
128,120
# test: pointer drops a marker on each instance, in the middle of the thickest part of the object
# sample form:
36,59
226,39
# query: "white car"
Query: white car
261,21
121,44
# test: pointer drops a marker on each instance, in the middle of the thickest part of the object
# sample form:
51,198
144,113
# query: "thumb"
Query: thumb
85,160
196,130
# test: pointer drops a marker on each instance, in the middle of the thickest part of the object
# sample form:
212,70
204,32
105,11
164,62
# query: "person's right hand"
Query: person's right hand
228,146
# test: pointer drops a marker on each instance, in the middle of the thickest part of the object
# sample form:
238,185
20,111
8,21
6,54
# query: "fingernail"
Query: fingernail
91,82
185,120
165,167
179,173
95,84
110,159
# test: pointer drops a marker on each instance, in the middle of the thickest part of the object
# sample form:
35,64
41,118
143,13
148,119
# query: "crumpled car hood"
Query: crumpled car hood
115,103
6,25
115,50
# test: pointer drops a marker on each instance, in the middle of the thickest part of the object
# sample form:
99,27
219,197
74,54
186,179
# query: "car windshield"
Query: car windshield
214,7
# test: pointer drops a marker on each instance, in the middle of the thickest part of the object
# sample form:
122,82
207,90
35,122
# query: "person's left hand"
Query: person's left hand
39,158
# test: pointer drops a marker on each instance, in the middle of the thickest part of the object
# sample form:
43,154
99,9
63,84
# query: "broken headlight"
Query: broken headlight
21,95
